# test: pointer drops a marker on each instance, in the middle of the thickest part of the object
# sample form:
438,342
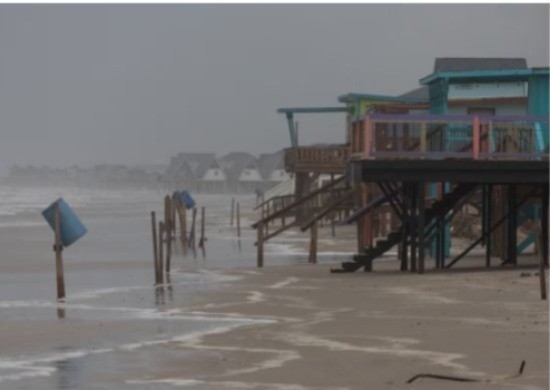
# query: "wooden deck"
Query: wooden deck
317,159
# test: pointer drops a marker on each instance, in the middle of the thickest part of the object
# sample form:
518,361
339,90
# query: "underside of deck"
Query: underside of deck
466,171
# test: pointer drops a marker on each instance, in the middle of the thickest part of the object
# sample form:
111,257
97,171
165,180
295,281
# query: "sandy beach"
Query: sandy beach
372,331
221,323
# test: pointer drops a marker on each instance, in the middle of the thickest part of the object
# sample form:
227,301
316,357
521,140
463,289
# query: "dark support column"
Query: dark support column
440,237
421,224
487,210
404,238
483,211
412,225
512,225
544,225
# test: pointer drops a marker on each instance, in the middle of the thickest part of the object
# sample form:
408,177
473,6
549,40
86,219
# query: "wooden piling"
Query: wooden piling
183,227
232,210
260,245
421,226
155,246
168,229
161,253
58,248
201,241
313,244
238,220
192,230
542,268
173,210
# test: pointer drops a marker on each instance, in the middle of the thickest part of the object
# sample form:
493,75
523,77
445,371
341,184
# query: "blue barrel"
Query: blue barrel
188,200
71,228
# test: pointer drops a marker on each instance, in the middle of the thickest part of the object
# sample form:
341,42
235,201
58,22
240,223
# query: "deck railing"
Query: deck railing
449,136
312,158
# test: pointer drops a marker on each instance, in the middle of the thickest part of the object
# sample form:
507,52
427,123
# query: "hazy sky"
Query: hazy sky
138,83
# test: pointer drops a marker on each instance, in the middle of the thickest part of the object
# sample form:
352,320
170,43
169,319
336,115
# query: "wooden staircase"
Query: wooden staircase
438,208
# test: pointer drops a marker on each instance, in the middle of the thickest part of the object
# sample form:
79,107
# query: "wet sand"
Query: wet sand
373,331
222,324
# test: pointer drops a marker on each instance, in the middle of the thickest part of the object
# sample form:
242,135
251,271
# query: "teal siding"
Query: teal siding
538,101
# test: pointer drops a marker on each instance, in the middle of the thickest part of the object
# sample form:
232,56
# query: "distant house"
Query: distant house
272,168
179,174
242,172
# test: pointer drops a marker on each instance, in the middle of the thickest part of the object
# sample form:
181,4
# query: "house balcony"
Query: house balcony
329,159
398,136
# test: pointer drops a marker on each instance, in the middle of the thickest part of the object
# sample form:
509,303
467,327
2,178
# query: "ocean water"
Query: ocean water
115,324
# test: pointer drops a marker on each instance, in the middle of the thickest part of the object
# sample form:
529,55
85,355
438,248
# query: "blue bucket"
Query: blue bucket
71,228
188,200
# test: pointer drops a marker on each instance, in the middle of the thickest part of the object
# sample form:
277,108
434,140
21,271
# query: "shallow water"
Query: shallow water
116,325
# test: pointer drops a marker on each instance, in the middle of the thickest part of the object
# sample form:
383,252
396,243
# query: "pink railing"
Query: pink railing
449,136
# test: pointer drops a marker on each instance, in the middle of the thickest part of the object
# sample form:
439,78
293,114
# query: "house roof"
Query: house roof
235,163
267,163
422,93
494,69
199,162
453,64
351,97
190,165
178,169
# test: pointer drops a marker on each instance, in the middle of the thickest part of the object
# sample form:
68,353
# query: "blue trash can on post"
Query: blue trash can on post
71,227
188,200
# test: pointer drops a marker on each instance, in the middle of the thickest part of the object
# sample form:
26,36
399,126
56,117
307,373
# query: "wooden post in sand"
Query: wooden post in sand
192,230
542,274
183,227
173,209
232,210
168,229
155,246
161,253
58,248
238,220
201,240
313,244
260,245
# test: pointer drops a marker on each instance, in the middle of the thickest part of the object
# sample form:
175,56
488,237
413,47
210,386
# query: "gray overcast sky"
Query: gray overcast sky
137,83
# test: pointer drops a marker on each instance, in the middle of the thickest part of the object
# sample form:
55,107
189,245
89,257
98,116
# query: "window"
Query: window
481,111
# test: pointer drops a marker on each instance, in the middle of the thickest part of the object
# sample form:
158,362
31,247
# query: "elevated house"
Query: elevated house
476,127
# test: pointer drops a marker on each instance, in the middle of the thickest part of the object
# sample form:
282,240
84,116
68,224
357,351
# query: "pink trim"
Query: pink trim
476,138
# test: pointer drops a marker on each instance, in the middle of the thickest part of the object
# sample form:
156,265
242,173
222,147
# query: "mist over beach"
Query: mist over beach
274,196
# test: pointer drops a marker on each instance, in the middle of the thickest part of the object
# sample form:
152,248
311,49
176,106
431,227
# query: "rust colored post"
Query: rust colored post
58,248
201,240
313,244
183,227
421,225
161,253
168,229
233,210
173,210
542,268
155,246
476,138
260,245
238,220
192,232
